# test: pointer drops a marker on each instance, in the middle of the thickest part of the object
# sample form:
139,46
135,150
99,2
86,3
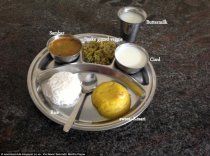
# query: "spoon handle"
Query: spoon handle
73,115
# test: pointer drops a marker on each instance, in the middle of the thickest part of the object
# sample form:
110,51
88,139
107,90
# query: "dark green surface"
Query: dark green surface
178,119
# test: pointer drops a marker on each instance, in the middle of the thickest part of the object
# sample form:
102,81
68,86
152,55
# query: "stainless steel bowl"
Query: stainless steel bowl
63,59
124,68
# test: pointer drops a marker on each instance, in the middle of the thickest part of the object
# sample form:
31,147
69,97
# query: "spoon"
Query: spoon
88,84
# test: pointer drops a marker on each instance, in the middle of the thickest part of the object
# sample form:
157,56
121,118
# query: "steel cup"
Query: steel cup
130,20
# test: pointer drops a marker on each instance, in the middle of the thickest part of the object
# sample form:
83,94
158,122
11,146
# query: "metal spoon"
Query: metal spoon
88,84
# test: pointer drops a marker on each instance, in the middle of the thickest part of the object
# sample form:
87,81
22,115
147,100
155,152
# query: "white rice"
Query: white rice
63,88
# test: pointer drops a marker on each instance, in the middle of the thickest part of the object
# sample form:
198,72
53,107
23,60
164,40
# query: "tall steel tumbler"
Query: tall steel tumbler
130,20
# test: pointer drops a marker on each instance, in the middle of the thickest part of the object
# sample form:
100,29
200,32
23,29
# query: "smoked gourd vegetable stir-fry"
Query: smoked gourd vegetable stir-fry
99,52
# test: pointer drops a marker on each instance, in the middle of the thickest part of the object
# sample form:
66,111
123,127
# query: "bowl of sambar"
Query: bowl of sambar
64,48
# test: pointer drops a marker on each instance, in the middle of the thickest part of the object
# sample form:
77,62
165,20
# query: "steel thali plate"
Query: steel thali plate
43,67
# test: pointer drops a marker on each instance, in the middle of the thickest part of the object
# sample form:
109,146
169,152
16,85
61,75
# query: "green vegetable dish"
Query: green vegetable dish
99,52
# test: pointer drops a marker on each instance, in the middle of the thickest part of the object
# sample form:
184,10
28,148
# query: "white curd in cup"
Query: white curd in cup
131,56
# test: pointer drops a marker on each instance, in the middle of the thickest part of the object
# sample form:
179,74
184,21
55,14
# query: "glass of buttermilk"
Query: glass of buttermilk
130,20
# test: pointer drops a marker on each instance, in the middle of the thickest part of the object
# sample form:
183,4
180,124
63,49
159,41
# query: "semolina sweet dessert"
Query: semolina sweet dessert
111,99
